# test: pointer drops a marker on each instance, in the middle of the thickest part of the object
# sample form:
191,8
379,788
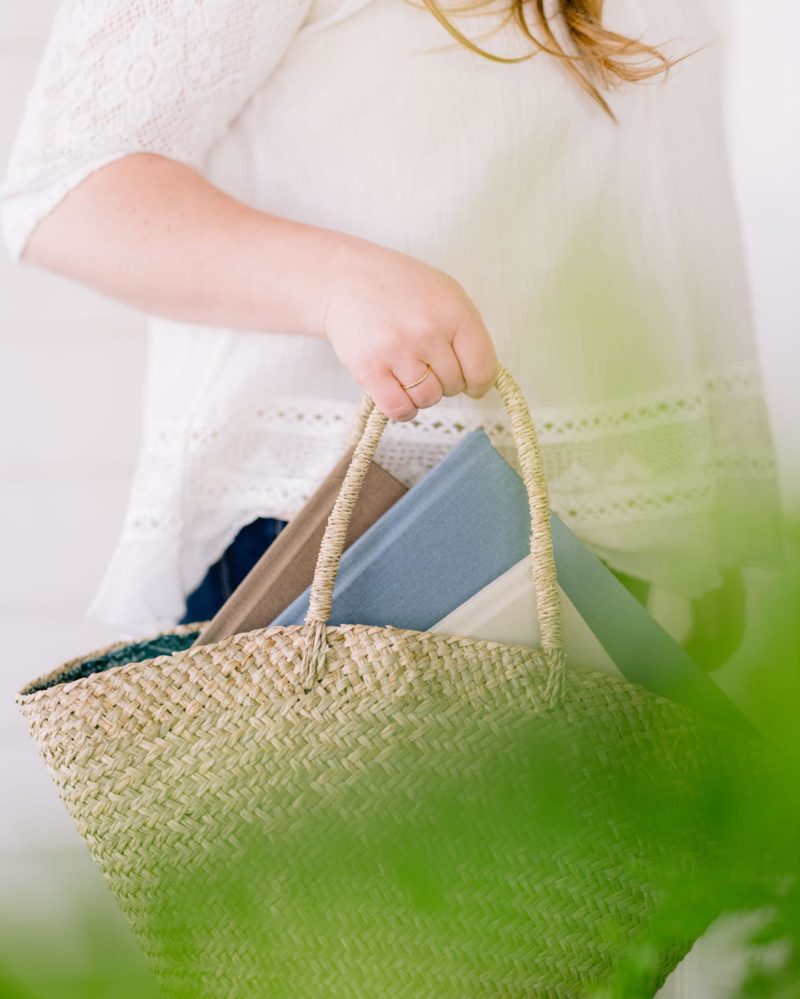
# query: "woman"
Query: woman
313,198
316,198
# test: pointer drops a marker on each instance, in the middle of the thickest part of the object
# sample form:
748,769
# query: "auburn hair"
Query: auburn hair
597,57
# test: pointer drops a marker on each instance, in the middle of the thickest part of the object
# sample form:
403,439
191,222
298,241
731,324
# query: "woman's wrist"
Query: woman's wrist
341,255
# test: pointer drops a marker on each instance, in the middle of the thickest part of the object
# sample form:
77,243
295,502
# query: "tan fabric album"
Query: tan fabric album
287,566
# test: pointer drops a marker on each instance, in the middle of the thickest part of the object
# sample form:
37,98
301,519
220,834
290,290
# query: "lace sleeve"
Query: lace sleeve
126,76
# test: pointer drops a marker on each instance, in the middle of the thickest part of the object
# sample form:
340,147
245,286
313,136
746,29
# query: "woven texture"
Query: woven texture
369,811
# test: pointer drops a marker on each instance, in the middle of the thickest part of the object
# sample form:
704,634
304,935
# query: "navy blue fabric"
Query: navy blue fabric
230,569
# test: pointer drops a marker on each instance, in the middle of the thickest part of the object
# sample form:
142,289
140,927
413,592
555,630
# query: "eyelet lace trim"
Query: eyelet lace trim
656,461
633,458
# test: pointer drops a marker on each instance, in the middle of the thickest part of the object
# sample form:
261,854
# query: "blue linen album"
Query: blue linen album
458,528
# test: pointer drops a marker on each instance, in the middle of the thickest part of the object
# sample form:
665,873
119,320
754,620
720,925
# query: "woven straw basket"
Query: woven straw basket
317,811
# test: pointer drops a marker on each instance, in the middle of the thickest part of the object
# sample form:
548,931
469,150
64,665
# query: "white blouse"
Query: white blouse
604,258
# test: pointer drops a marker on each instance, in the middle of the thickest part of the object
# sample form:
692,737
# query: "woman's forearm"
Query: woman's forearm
152,232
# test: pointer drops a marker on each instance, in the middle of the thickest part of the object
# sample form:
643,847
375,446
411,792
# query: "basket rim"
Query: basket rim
47,684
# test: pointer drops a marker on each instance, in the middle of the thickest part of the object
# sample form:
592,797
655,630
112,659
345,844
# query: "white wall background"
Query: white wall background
764,130
71,368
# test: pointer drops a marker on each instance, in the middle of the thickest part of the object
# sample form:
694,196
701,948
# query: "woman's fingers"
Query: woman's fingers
386,387
447,375
476,354
388,395
428,389
469,365
446,366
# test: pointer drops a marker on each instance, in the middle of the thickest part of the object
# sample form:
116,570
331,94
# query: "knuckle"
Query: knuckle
453,285
422,328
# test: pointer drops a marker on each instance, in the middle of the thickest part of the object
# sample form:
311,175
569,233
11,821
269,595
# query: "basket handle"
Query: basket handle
372,423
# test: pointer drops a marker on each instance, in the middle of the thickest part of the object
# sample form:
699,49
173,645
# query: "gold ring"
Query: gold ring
419,379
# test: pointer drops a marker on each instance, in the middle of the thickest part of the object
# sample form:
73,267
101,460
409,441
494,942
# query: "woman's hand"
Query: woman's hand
387,314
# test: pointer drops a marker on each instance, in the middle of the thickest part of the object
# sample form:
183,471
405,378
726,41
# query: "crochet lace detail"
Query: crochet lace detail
126,76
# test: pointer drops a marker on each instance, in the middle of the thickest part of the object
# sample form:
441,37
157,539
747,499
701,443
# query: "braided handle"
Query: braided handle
371,424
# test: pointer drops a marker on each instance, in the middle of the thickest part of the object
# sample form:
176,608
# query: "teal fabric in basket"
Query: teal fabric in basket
136,652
